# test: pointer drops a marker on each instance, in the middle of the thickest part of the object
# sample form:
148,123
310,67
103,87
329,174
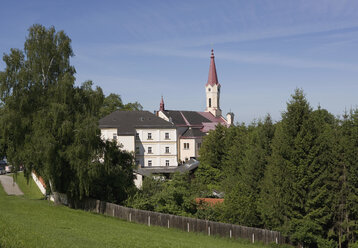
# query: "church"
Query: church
192,126
169,140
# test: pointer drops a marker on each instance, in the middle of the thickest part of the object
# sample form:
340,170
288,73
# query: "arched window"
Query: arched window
209,102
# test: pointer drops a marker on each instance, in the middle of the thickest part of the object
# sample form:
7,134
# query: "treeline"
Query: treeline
50,126
298,176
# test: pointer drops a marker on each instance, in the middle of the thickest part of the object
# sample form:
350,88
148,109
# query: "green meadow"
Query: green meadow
29,221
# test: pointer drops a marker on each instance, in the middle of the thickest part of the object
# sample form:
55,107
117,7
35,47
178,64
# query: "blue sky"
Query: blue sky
263,49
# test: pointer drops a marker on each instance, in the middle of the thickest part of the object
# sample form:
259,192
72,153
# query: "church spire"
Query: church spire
161,108
212,89
213,77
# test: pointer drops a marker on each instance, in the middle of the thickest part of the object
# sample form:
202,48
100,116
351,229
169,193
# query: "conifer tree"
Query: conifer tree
280,198
346,204
240,204
212,153
315,147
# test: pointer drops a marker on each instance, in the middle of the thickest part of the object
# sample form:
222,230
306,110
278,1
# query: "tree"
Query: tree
114,102
315,147
174,196
346,195
241,199
50,126
212,152
279,199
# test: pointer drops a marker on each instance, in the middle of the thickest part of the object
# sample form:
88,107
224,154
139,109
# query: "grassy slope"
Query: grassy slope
30,222
30,189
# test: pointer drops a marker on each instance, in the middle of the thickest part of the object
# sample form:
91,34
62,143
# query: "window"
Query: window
137,150
150,150
166,136
149,136
199,145
166,162
209,102
209,89
137,162
114,136
149,162
167,149
186,146
137,135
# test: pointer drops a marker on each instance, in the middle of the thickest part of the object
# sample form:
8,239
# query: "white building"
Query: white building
152,140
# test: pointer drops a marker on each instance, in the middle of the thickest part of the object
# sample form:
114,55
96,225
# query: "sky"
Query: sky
143,50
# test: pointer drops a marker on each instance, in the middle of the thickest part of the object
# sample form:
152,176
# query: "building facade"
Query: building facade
152,140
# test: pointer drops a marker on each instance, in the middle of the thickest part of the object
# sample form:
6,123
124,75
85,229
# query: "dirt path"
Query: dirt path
10,186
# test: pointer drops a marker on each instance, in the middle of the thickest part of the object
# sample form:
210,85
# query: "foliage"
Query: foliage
298,176
172,196
212,154
114,102
50,126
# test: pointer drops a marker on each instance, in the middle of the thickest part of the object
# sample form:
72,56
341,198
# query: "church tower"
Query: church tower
212,89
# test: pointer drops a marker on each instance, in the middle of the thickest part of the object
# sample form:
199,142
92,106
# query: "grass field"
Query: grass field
28,221
30,189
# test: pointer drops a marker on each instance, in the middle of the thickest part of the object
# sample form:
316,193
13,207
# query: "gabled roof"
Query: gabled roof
192,118
127,121
193,133
213,77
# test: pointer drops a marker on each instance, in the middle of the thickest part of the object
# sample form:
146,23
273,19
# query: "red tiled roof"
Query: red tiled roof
213,77
210,201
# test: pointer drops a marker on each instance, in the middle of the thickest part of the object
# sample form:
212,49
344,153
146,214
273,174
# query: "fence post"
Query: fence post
130,217
253,237
230,233
209,230
276,240
168,223
149,220
187,224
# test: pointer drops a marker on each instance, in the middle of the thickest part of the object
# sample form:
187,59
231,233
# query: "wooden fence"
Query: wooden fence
186,224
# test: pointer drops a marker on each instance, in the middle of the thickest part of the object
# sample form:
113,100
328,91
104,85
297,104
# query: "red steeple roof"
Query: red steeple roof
162,105
213,77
